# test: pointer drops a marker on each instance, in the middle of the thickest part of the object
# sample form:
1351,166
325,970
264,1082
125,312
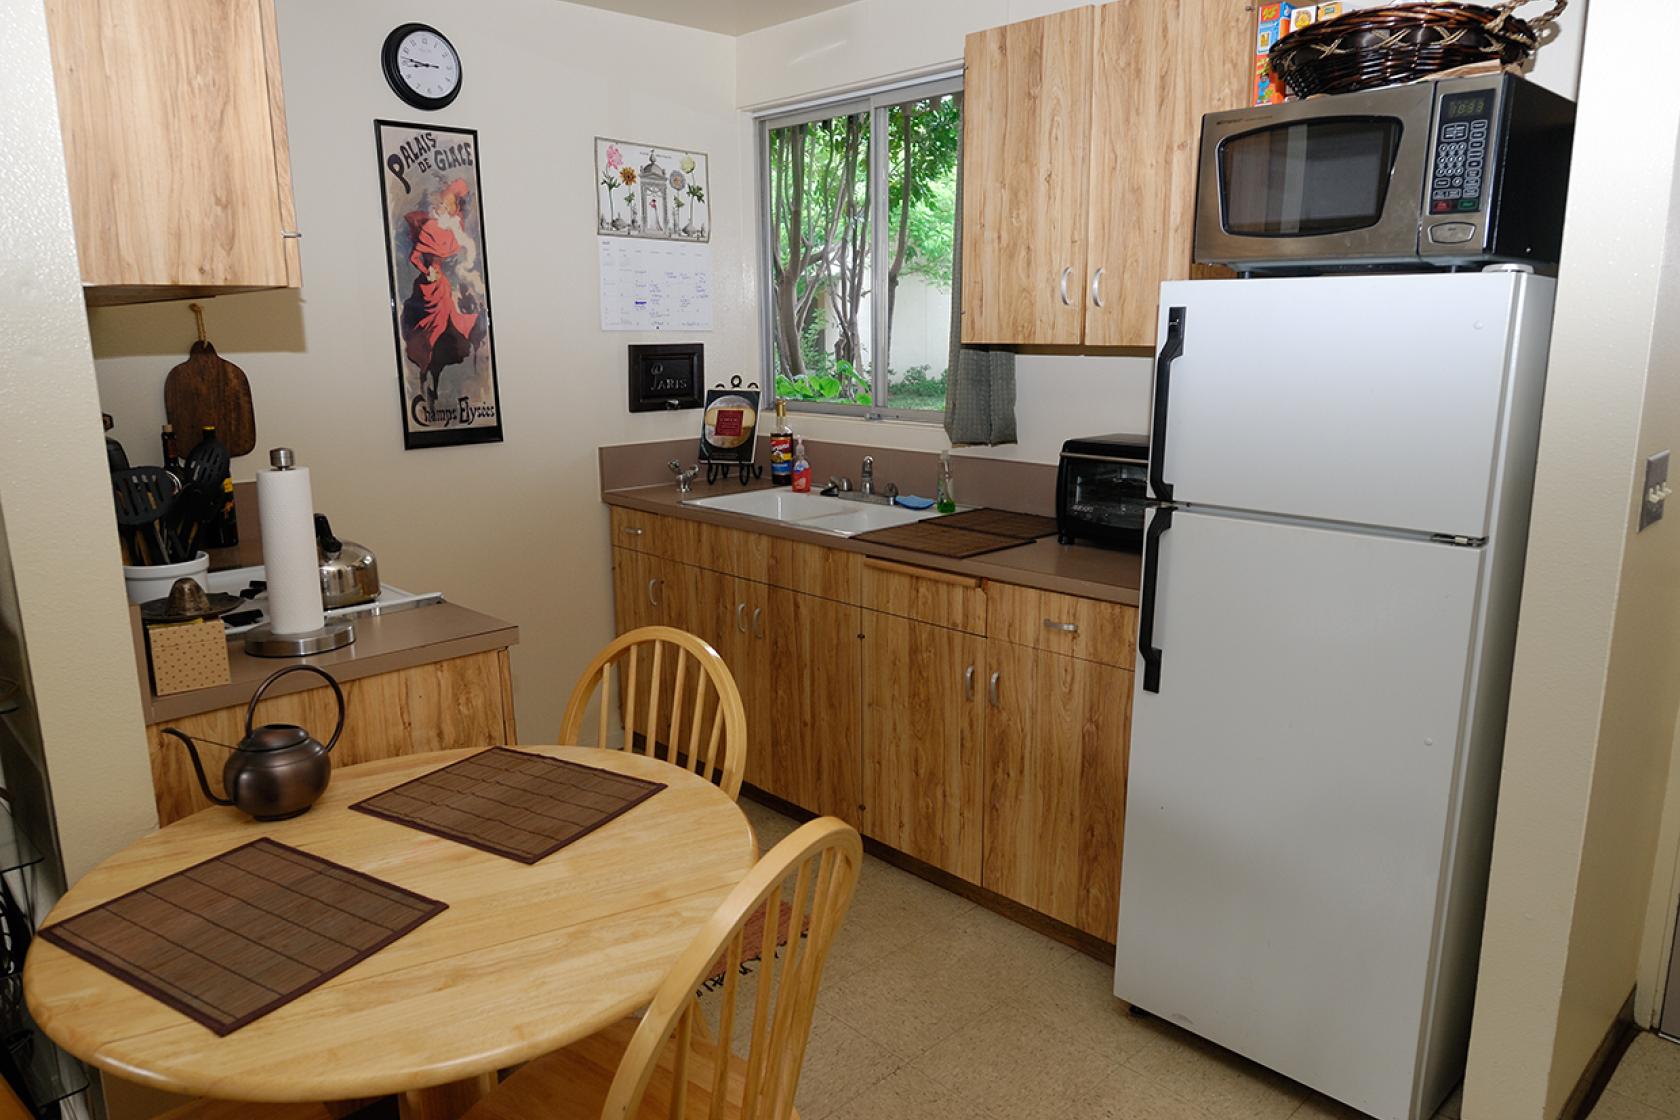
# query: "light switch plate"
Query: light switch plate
1656,490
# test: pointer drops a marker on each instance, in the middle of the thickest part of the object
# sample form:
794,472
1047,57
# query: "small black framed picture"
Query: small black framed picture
666,377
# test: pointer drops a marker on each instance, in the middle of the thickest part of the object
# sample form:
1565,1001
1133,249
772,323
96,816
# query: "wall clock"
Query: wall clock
422,66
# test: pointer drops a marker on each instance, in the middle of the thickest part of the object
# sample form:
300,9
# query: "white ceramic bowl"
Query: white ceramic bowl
153,581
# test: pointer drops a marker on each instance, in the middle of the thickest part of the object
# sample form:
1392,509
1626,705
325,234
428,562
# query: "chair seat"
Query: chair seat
571,1084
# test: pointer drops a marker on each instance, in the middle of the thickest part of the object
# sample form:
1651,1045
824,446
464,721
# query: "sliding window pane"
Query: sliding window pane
922,138
821,267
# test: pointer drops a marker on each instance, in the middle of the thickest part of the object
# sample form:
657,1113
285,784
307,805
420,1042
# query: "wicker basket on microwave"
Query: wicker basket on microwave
1387,46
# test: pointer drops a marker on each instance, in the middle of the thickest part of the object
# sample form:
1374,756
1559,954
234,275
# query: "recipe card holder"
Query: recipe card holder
729,431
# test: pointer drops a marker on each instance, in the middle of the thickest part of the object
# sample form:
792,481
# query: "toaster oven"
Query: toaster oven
1100,490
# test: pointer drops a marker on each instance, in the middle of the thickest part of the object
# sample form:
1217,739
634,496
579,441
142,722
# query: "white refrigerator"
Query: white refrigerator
1342,468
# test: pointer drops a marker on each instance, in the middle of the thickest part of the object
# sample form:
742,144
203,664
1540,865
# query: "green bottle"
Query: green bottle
944,500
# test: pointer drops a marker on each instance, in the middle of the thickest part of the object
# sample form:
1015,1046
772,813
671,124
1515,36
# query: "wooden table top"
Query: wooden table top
527,959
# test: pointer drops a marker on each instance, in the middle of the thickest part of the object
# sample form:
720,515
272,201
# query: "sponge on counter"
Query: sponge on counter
911,501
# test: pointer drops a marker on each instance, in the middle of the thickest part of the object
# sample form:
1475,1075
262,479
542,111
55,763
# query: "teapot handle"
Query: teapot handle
332,682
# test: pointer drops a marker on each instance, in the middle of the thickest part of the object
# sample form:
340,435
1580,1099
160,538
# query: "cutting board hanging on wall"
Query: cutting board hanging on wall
206,389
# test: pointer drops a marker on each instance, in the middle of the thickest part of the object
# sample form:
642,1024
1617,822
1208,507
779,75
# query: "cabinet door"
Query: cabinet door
632,590
1159,67
1056,740
922,731
815,663
1026,134
175,142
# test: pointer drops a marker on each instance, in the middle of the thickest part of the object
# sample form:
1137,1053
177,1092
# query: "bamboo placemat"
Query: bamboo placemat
938,539
1003,522
228,940
516,804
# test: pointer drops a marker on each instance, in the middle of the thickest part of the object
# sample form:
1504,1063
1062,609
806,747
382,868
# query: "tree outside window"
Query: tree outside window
860,211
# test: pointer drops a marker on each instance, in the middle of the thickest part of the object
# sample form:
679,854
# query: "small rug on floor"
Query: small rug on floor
752,943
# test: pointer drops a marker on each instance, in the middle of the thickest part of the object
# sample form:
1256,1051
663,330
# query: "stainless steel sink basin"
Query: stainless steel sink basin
841,517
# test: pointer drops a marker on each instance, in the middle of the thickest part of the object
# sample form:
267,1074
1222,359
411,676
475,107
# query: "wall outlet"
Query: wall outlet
1657,490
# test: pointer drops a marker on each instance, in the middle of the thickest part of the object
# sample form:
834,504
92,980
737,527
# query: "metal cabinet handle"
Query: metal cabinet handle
1096,288
1067,275
741,617
968,683
992,688
1064,627
633,531
652,585
758,622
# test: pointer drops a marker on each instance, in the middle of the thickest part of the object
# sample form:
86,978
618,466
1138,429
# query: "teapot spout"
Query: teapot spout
198,766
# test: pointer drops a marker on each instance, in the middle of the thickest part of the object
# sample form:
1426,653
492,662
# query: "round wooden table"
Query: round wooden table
526,959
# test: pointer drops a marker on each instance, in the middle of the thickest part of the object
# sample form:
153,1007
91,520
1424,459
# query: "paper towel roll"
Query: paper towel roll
287,513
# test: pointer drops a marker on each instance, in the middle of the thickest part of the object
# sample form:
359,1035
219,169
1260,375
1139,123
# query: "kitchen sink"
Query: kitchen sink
838,516
775,505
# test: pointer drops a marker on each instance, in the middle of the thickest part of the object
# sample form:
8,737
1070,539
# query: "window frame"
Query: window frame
877,102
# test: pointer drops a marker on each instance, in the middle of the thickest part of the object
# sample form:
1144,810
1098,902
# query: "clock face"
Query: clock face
422,66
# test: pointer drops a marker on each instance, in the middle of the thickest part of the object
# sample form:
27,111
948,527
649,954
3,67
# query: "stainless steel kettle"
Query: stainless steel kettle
349,572
277,770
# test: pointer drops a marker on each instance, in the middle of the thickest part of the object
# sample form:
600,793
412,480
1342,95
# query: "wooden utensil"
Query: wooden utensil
208,389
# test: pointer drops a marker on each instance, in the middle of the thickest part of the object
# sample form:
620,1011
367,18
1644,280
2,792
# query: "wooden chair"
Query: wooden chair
666,1066
687,729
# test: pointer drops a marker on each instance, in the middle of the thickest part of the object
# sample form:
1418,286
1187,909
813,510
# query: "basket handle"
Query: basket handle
1539,23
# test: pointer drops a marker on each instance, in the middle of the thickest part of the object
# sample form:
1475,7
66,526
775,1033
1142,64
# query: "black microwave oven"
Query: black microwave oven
1100,490
1453,173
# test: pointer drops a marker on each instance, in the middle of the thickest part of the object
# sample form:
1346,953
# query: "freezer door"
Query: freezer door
1289,794
1375,400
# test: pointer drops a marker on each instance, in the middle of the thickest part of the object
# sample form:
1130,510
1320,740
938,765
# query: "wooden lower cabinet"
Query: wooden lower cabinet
980,728
1057,732
459,702
923,730
813,730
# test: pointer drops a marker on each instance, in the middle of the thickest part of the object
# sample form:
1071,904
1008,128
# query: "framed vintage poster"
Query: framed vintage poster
643,190
440,284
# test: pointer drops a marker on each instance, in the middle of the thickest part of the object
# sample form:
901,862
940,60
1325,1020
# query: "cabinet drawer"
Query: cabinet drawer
737,552
641,532
926,595
814,570
1085,628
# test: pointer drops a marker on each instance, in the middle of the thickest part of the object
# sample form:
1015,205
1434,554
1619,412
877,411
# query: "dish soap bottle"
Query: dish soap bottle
944,500
781,447
801,469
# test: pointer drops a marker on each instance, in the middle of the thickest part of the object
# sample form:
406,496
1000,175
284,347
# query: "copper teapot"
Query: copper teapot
278,770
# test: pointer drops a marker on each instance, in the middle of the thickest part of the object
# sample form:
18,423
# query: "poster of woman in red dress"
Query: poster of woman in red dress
440,287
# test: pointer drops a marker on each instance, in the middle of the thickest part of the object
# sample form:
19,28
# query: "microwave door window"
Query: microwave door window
1312,177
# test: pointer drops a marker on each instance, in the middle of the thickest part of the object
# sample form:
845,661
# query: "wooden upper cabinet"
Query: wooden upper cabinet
1026,132
1159,67
175,141
1122,173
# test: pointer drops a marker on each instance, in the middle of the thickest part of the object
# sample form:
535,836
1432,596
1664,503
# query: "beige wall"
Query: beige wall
516,528
1597,677
54,489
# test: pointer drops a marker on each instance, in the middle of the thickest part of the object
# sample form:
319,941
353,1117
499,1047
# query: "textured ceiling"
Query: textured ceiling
731,17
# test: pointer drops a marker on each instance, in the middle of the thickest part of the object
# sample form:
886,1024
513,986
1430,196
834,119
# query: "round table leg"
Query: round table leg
444,1102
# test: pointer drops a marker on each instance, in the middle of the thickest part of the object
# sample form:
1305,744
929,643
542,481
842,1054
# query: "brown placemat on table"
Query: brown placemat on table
228,940
1003,522
938,539
516,804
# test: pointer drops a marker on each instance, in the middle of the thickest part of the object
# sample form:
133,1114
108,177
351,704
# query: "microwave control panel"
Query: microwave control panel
1461,142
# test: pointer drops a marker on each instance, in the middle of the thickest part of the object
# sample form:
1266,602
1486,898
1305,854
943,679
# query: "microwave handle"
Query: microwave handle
1147,649
1170,351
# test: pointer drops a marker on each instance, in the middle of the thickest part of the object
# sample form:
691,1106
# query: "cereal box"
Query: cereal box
1273,22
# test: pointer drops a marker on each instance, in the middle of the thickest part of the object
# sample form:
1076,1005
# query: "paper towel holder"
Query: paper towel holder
264,642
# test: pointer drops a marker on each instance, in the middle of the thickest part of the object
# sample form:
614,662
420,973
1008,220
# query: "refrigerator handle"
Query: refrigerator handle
1147,649
1170,351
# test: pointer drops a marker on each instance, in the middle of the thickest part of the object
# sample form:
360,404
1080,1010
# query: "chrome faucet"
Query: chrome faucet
868,476
685,478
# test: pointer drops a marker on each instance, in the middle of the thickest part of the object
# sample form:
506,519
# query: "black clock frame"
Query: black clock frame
393,76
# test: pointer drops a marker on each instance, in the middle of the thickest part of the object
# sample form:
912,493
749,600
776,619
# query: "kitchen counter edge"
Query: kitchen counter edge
384,644
1083,570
